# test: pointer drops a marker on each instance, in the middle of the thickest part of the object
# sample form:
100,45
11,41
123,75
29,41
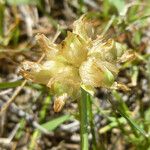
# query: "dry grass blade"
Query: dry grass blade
6,105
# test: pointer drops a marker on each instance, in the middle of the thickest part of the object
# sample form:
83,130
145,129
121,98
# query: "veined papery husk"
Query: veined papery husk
83,28
109,50
94,73
101,69
47,46
86,28
73,49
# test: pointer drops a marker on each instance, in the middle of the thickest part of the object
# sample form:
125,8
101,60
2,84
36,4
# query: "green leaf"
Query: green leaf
22,2
121,107
15,35
132,123
106,7
137,37
2,9
113,124
53,124
46,103
5,85
119,4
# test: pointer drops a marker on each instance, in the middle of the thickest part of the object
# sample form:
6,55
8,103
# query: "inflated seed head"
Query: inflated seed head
83,58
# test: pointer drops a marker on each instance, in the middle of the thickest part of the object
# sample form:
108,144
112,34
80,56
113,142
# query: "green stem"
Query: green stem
2,9
44,109
83,120
96,140
91,121
81,6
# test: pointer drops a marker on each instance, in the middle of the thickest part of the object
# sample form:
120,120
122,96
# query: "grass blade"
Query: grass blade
83,120
53,124
95,144
14,84
121,107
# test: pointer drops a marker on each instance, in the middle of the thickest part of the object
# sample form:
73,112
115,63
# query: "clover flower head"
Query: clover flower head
83,58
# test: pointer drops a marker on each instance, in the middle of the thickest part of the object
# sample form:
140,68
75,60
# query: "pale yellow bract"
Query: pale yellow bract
82,58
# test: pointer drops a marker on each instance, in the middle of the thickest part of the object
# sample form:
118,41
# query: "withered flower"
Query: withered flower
60,102
82,58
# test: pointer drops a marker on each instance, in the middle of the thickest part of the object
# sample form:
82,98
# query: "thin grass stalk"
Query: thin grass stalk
96,141
91,122
83,120
2,9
